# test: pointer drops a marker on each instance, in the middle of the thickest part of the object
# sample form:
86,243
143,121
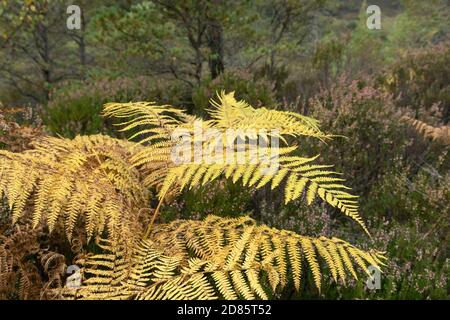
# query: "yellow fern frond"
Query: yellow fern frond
104,185
228,113
87,176
300,177
158,120
239,253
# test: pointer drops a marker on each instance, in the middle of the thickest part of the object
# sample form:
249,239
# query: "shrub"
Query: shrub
75,107
368,117
420,80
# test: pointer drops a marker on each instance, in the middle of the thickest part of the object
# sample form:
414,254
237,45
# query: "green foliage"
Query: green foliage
328,56
222,198
257,91
138,26
76,107
419,24
68,117
364,52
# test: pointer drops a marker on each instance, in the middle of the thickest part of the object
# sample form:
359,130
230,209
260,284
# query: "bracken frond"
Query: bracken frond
28,269
88,177
101,185
216,258
229,113
440,134
299,175
217,153
148,121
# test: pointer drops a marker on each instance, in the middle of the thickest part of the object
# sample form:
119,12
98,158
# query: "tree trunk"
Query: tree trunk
215,44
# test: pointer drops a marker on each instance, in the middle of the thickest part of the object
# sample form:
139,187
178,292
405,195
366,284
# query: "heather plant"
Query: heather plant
409,217
418,270
347,107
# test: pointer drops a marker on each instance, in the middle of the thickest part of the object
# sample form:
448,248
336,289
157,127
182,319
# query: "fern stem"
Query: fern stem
149,227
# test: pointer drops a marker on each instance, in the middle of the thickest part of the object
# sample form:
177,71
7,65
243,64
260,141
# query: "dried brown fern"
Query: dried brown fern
19,276
13,136
30,268
440,134
54,267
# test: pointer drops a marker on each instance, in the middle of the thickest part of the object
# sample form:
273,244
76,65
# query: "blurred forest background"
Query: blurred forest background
318,58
